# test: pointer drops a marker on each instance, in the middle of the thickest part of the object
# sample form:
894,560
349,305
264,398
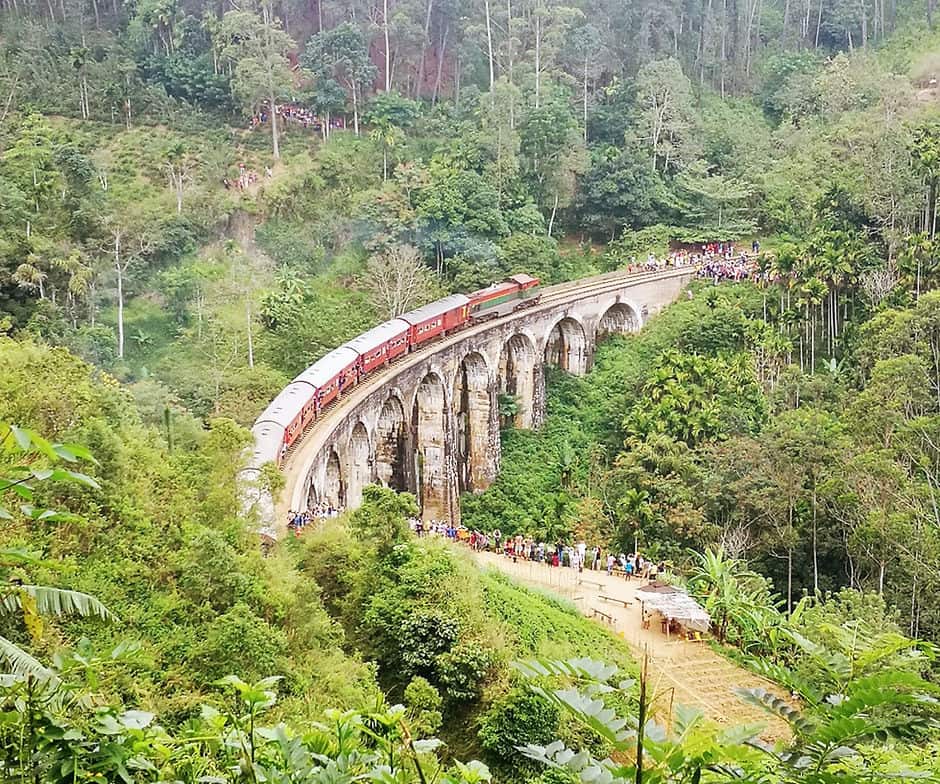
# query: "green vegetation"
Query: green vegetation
172,252
161,545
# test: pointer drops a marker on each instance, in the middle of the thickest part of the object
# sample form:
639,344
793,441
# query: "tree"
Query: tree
643,750
389,115
554,155
255,49
716,199
398,280
180,165
617,191
343,54
585,50
635,513
30,163
861,692
131,226
665,112
807,443
812,294
327,99
925,148
736,598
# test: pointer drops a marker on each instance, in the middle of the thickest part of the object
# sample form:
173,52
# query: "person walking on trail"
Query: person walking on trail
610,564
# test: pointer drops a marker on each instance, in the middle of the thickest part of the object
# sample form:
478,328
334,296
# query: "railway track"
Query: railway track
300,456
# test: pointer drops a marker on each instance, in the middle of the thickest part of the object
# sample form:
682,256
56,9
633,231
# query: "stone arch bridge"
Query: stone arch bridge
430,423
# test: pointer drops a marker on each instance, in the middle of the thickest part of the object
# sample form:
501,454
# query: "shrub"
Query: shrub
240,641
515,719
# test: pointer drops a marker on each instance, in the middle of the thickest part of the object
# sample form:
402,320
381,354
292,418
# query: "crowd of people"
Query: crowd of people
715,260
578,555
298,521
246,178
293,114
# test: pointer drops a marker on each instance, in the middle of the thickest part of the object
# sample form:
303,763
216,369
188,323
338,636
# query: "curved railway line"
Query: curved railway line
299,459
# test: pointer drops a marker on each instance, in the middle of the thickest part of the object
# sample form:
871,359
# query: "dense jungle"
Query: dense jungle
174,250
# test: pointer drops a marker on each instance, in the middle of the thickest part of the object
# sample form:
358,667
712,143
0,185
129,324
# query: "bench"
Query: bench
621,572
592,583
615,600
606,617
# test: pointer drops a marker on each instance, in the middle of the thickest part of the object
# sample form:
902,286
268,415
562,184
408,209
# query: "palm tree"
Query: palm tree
635,509
31,277
812,294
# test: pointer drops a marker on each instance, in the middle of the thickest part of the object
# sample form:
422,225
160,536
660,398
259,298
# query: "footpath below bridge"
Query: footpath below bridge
682,672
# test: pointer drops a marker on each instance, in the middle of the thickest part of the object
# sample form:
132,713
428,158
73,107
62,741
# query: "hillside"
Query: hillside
199,200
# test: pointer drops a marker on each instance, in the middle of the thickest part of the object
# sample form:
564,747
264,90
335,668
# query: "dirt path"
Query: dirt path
683,672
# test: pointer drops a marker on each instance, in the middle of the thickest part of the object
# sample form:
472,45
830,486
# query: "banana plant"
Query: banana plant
27,460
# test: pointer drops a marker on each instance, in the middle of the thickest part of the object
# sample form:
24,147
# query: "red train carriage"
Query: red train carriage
380,344
332,375
286,412
435,319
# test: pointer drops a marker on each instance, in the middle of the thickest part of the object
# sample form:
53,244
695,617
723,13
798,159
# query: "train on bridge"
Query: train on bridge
301,402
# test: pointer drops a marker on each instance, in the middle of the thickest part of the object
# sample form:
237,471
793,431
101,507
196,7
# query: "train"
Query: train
304,400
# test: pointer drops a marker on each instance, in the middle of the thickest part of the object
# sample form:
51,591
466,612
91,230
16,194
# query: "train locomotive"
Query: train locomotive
302,401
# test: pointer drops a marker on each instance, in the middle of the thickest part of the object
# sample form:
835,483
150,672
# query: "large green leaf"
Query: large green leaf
56,602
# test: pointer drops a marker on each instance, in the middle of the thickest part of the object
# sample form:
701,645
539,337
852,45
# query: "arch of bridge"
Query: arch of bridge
359,462
567,345
516,377
618,317
391,447
433,441
473,412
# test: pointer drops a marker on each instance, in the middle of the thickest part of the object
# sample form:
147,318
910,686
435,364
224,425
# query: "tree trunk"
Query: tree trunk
584,108
251,343
119,269
551,222
538,57
440,65
388,50
425,42
355,100
818,25
724,55
489,46
509,46
790,558
812,344
815,548
274,140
